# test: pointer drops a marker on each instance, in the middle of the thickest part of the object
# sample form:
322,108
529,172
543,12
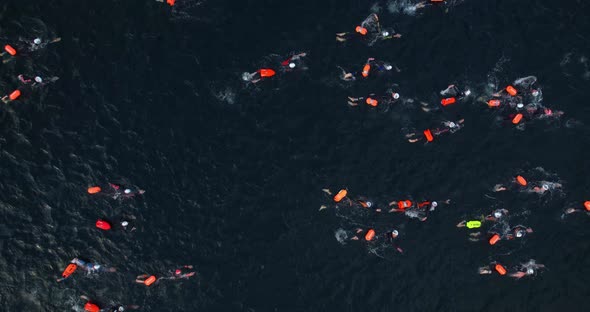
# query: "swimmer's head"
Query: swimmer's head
467,92
394,233
497,214
38,79
434,204
545,187
388,67
369,204
291,65
519,234
385,33
452,124
530,271
177,272
37,41
127,191
124,223
396,95
96,266
535,92
520,105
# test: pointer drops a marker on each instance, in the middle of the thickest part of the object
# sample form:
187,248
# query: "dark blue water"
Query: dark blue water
151,97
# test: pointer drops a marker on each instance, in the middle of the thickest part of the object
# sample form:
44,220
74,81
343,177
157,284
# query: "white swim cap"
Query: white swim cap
388,67
124,223
395,232
530,271
38,79
520,105
385,33
545,187
127,191
467,92
396,95
434,204
535,92
37,41
246,76
291,65
369,204
497,214
519,234
96,266
452,124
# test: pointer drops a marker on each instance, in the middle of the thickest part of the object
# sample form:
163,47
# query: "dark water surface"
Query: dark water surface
234,184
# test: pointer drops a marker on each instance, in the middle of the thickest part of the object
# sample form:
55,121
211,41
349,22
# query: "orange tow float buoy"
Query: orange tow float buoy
94,189
71,268
91,307
341,194
103,225
428,135
372,102
494,239
150,280
494,103
517,119
171,2
8,48
403,204
521,180
500,269
370,235
587,205
14,95
511,90
266,72
361,30
366,70
448,101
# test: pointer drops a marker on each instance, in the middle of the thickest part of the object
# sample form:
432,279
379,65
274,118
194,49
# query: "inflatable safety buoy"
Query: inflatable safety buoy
14,95
500,269
473,224
8,48
71,268
341,194
517,119
266,72
511,90
91,307
428,135
372,102
521,180
448,101
587,205
103,225
94,189
361,30
370,235
150,280
494,239
494,103
403,204
366,70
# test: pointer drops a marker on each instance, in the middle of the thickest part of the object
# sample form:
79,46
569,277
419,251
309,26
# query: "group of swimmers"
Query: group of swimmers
119,192
16,49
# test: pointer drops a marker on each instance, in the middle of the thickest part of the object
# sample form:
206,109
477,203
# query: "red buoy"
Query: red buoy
8,48
103,225
91,307
14,95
